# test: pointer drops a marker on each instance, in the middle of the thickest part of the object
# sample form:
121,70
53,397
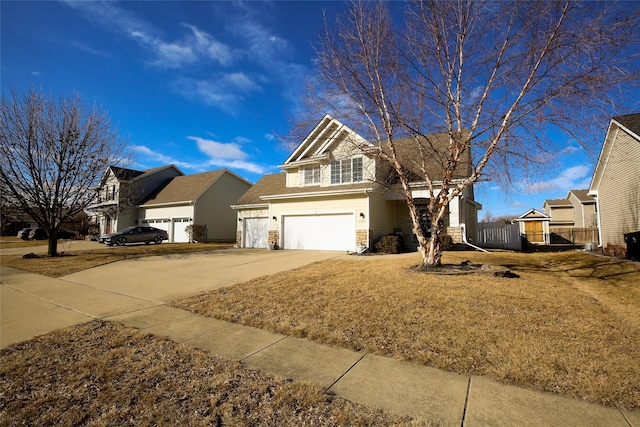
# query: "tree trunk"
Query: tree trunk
433,255
52,251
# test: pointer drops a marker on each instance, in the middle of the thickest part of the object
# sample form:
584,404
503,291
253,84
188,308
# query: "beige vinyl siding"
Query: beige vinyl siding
563,215
213,207
293,178
382,214
619,190
471,220
336,204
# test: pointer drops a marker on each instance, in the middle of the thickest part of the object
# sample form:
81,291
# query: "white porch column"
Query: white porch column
454,212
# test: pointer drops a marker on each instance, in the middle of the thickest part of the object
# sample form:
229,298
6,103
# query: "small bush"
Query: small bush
197,233
446,242
615,250
389,244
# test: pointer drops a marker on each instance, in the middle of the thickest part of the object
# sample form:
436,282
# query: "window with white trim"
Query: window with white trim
346,171
312,175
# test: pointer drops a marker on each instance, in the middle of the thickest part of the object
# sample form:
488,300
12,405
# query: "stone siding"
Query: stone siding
455,233
362,238
274,237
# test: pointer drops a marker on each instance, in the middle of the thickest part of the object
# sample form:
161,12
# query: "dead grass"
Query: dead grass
13,242
570,324
72,261
101,373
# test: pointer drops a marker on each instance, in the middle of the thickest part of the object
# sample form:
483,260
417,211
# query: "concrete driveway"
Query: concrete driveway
32,304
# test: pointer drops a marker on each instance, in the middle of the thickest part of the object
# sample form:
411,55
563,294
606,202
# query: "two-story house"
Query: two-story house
167,199
577,210
119,192
336,194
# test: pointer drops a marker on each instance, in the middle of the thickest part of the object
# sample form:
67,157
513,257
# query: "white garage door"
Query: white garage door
180,234
320,232
256,232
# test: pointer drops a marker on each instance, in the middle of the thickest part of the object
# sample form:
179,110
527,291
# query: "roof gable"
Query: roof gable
320,142
184,188
533,214
582,196
629,124
558,203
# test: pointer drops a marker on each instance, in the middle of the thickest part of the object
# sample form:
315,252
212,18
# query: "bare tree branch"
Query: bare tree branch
53,151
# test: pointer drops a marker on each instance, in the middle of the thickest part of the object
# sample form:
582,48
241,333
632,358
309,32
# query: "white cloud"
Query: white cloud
225,90
154,156
220,155
219,150
270,137
238,164
194,46
229,154
569,179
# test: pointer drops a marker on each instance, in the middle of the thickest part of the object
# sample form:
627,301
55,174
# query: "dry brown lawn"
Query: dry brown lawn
77,260
13,242
569,324
101,373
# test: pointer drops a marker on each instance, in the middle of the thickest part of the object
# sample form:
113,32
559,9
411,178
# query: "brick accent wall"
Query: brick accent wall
239,238
274,237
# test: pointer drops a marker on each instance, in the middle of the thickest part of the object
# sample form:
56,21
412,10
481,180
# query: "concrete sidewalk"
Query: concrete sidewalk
134,293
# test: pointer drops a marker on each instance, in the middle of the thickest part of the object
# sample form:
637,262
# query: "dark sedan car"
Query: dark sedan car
134,235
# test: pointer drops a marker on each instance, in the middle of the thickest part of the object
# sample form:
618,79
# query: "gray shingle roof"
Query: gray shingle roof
436,152
185,188
276,184
583,196
630,121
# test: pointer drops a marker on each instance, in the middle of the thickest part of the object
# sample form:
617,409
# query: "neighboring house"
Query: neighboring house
534,226
120,190
578,210
203,198
616,181
336,194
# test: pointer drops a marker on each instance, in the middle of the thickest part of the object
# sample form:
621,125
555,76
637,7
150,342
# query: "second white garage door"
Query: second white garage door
256,232
320,232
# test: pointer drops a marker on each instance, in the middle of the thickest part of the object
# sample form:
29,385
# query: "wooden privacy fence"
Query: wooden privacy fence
499,235
572,236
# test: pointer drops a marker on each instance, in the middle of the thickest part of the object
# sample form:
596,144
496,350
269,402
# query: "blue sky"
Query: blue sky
203,85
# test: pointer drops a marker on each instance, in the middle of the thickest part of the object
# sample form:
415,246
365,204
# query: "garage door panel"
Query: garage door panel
256,232
319,232
180,234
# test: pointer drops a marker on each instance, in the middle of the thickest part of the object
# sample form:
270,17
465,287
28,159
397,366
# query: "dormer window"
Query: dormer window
346,171
312,175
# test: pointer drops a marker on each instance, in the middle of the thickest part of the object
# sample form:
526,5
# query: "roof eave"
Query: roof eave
318,194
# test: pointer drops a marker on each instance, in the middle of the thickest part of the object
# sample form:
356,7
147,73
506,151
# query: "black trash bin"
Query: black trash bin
633,245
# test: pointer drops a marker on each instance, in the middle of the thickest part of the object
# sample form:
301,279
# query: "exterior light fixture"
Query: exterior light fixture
275,219
361,214
239,219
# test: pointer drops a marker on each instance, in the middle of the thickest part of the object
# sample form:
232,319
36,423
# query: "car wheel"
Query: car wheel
120,241
157,240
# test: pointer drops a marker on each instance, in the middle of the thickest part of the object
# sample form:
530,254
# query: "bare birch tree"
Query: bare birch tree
52,152
492,76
